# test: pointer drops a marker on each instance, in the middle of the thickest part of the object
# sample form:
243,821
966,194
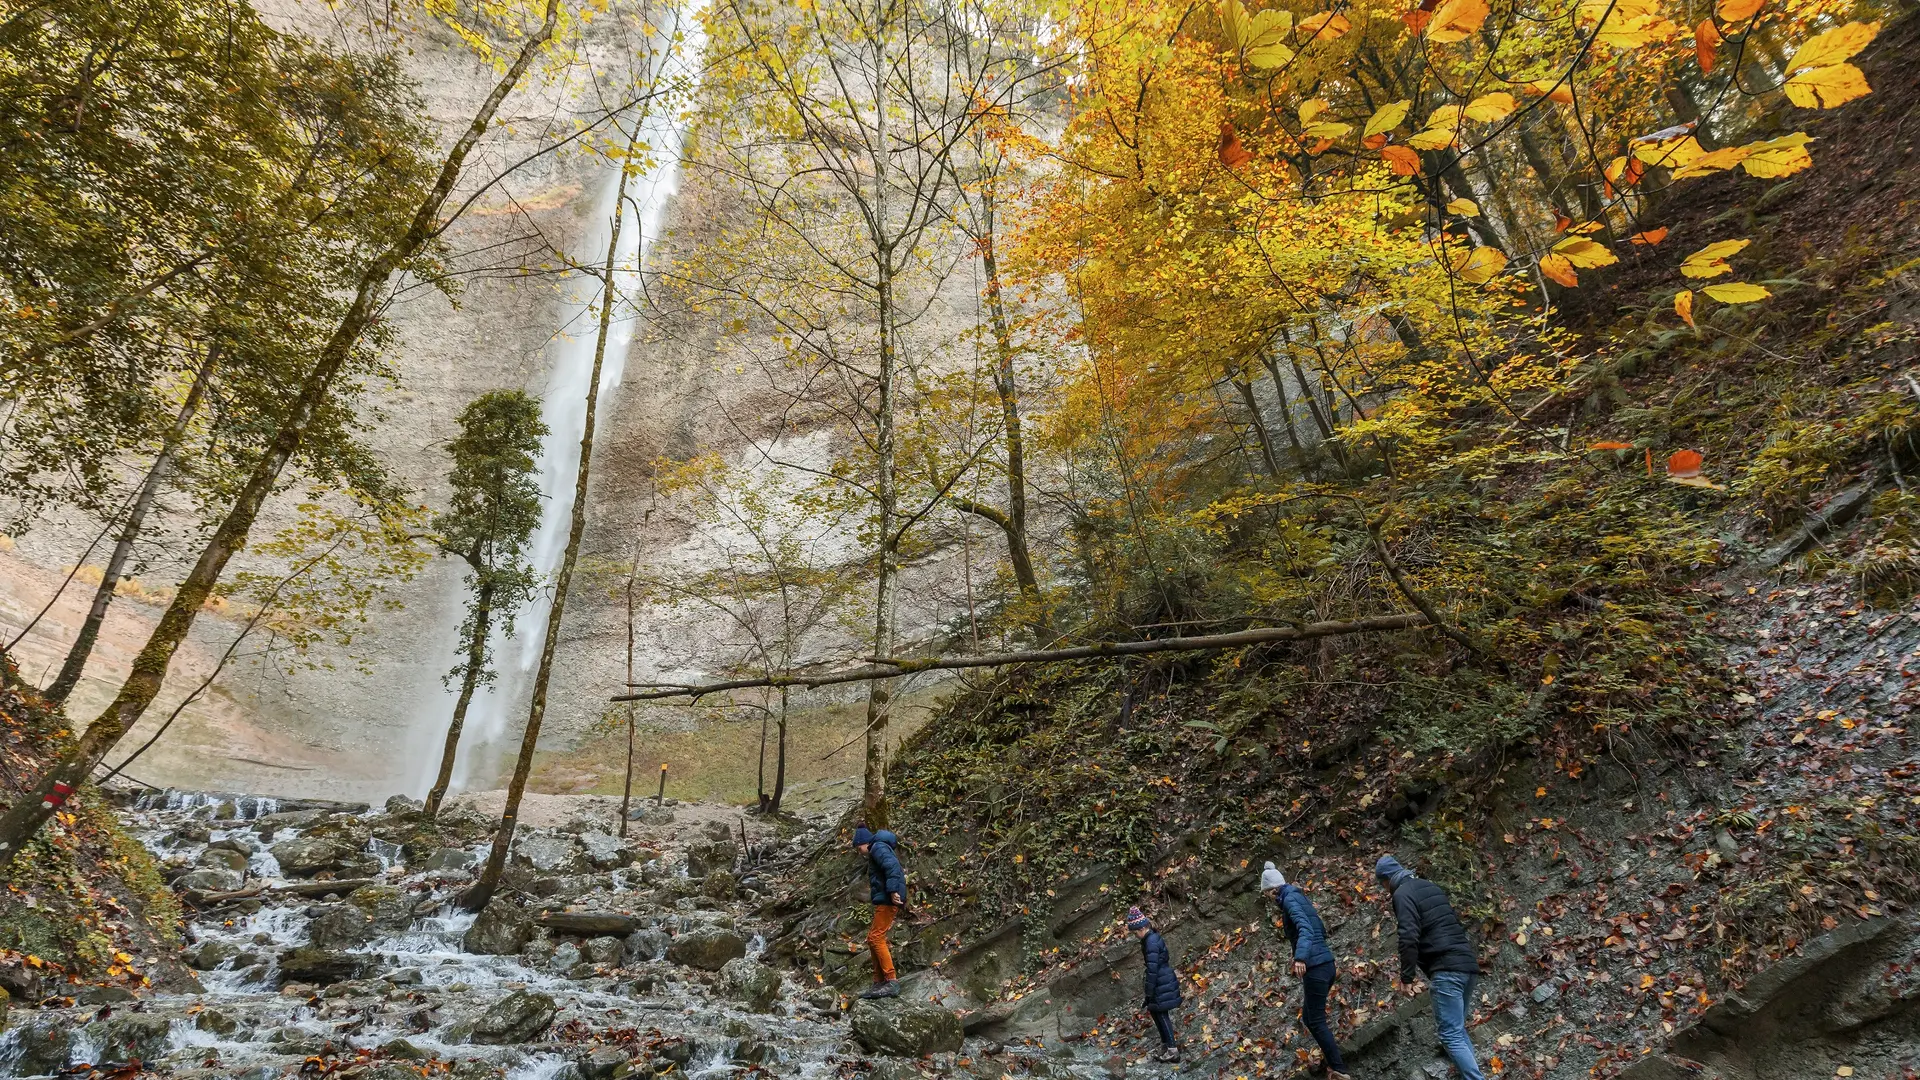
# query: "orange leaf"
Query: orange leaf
1374,142
1649,461
1320,147
1559,269
1733,11
1560,222
1402,161
1683,306
1232,154
1650,237
1611,445
1706,38
1417,19
1684,463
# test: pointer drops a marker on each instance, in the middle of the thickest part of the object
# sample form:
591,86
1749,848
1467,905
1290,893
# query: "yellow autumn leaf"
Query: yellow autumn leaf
1269,56
1446,116
1488,107
1559,269
1386,118
1234,22
1833,47
1683,306
1432,139
1827,87
1326,129
1325,26
1712,161
1711,261
1268,27
1673,153
1311,108
1737,292
1464,207
1733,11
1479,266
1453,20
1783,156
1584,253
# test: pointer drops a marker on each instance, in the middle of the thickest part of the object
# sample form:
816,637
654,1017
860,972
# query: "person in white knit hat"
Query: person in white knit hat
1312,962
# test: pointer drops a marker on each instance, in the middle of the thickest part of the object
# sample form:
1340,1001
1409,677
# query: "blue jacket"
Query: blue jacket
1163,986
884,873
1301,923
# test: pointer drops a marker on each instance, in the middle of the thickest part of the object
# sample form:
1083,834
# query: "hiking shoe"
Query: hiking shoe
888,989
1168,1054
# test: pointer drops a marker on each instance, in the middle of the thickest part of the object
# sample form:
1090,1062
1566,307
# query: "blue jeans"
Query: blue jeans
1316,984
1452,1000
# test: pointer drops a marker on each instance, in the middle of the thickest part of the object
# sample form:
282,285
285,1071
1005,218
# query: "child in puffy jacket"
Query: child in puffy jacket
1162,984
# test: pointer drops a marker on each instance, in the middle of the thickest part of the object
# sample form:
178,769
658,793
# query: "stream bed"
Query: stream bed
324,940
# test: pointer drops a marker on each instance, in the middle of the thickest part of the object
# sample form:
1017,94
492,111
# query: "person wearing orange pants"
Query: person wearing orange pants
887,889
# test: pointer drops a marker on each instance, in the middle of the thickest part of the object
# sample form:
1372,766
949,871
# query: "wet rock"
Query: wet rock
449,859
721,885
706,856
519,1017
550,854
752,1050
893,1069
209,955
588,923
566,956
209,880
647,945
400,804
718,830
222,858
387,907
322,967
216,1021
605,1063
708,950
604,851
305,856
129,1037
905,1028
751,983
339,926
403,977
402,1050
606,951
297,1042
43,1046
102,995
289,819
502,929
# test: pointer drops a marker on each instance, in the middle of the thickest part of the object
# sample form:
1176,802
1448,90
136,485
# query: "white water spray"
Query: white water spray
498,708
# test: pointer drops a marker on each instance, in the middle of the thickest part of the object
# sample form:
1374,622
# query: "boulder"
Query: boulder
130,1037
209,880
720,885
706,856
605,1063
647,945
449,859
606,951
550,854
502,929
223,858
905,1028
517,1018
305,856
216,1021
387,907
400,804
339,926
651,815
604,851
708,950
751,983
566,957
588,923
42,1047
322,967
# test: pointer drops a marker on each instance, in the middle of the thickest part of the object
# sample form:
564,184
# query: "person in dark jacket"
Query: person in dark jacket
1312,962
1163,986
887,889
1433,941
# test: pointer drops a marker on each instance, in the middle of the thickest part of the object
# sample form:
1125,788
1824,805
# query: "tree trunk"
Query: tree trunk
1259,427
32,809
482,891
1008,391
76,662
760,785
873,796
476,660
626,787
1286,413
780,757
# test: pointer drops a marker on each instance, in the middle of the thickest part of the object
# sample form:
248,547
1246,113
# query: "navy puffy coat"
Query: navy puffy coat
1301,923
1163,986
1431,937
885,876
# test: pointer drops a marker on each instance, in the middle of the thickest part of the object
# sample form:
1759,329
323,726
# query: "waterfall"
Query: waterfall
498,709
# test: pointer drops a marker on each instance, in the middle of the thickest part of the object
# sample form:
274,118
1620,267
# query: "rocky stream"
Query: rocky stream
322,939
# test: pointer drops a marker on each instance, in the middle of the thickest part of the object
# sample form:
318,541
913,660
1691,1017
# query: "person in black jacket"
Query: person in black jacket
1163,986
1312,962
887,889
1433,941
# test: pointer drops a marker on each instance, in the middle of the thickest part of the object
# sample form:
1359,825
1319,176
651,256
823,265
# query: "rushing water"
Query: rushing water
563,407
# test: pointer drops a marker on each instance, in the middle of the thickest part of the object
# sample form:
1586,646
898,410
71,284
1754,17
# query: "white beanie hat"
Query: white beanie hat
1271,878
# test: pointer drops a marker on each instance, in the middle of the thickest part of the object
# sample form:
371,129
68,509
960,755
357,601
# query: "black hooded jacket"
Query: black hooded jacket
1431,937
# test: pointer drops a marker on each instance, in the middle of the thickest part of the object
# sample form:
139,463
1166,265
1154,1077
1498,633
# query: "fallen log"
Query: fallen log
299,888
891,669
